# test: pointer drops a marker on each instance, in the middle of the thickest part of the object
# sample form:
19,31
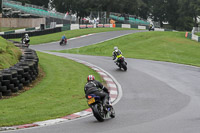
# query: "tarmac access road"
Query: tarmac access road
158,97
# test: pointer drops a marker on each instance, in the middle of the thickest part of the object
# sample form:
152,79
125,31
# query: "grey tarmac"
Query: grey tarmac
158,97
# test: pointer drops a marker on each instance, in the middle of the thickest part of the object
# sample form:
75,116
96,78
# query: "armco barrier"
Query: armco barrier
82,26
126,26
32,33
20,31
134,26
192,36
195,37
158,29
30,29
142,27
21,74
74,26
189,36
100,25
35,31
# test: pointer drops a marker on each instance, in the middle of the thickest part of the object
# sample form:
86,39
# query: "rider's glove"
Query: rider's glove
105,90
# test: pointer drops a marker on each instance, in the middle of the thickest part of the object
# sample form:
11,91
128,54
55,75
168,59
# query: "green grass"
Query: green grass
3,29
162,46
69,34
198,34
9,54
60,93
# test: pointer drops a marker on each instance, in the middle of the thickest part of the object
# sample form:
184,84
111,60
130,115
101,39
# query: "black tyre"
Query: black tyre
34,72
7,76
98,112
1,95
112,113
15,89
26,68
28,50
14,81
7,93
17,83
11,86
124,66
14,73
1,77
20,87
26,82
19,77
33,77
30,57
26,74
22,80
31,73
3,88
5,82
19,70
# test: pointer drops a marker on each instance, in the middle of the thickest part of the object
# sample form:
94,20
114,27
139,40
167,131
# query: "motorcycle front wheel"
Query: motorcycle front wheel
112,113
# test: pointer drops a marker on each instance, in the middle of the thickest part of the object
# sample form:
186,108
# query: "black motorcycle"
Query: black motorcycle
99,112
121,63
63,42
25,42
151,28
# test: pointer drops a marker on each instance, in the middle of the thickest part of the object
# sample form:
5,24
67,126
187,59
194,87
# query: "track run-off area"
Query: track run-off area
157,97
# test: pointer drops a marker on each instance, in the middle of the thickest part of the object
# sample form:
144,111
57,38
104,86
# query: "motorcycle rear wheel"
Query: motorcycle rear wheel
98,112
124,66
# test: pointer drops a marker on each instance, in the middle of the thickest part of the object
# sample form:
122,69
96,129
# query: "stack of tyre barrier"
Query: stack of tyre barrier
19,75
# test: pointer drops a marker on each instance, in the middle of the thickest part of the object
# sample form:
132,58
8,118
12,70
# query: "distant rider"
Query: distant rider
64,39
151,27
95,87
25,39
116,54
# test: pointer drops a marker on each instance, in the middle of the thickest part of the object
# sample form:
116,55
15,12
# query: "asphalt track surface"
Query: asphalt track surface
158,97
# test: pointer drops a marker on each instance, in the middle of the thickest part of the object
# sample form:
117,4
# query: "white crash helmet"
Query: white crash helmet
26,34
116,49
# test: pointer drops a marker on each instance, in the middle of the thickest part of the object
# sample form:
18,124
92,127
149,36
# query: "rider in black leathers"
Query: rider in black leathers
25,39
95,87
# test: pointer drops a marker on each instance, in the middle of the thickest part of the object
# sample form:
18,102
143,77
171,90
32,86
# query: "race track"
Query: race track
158,97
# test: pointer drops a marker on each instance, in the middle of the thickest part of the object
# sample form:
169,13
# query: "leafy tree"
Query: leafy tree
185,19
158,11
172,12
0,6
195,9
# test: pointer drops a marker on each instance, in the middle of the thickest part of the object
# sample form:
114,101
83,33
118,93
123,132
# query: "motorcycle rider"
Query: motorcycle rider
117,54
25,39
95,87
63,39
151,27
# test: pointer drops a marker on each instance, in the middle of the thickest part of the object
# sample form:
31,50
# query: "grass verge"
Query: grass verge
162,46
198,34
4,29
69,34
58,94
9,54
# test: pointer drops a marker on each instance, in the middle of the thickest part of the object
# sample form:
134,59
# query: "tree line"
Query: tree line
180,14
